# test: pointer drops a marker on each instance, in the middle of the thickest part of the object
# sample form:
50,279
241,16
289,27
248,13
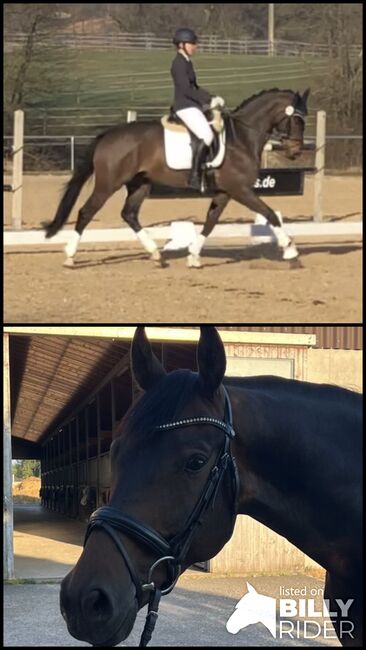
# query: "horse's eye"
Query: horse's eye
195,463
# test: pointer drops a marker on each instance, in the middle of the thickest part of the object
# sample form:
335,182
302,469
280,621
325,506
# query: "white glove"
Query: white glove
217,101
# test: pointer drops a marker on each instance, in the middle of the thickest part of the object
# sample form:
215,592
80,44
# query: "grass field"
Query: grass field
76,90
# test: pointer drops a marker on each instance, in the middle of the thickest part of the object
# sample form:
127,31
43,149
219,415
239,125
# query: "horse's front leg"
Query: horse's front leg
248,198
218,204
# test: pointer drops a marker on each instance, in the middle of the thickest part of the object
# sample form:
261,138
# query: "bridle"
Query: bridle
174,550
286,134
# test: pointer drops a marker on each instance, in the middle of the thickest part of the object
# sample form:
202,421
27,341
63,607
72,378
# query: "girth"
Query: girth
173,551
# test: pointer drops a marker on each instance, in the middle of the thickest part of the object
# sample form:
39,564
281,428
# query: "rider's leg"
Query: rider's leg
199,153
195,120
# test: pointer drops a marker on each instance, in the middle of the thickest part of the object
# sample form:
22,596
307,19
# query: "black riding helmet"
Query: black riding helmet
185,35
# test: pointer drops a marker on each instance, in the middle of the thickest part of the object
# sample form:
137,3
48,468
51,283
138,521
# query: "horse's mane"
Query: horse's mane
247,101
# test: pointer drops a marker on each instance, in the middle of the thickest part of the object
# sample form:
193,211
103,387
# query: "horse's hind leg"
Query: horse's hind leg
137,190
218,204
247,197
86,213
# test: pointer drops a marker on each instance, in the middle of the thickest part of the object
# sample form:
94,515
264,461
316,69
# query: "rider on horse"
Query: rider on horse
189,99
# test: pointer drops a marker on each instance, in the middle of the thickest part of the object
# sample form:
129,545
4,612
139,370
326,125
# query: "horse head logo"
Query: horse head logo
253,608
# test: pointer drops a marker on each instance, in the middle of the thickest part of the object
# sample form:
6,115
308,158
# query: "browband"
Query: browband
226,426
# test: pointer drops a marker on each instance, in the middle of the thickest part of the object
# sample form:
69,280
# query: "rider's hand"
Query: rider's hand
217,101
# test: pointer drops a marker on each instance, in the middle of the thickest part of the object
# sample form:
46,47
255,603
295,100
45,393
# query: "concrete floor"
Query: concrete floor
41,538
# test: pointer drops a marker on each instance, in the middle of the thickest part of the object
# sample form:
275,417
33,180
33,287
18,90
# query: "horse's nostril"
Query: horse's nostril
97,603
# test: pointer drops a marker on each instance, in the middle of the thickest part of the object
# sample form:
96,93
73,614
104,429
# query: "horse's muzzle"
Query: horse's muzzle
292,148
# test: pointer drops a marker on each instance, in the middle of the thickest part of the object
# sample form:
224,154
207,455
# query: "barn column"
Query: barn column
8,496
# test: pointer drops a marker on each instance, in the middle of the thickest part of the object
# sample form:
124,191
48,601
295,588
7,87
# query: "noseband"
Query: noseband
174,550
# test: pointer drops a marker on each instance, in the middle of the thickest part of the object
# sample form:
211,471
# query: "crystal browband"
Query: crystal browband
198,420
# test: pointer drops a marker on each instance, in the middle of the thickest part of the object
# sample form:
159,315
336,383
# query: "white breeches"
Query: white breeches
197,123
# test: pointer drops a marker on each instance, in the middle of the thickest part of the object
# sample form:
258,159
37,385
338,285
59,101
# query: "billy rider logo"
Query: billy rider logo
296,617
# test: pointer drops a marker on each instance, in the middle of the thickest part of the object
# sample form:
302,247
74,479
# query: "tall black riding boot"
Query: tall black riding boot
199,153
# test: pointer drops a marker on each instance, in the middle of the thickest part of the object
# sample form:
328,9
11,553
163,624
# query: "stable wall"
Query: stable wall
341,367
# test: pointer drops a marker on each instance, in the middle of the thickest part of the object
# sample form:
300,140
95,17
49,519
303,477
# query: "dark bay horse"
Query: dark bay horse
191,453
133,155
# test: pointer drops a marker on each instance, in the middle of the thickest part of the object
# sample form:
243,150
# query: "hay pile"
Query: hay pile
27,491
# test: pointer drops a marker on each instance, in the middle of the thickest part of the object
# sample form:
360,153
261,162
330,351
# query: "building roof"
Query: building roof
52,375
342,337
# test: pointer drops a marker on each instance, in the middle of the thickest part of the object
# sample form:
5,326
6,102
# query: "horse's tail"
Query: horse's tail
81,174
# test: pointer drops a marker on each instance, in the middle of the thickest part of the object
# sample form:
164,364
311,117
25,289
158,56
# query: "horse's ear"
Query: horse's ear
211,360
306,95
251,589
146,368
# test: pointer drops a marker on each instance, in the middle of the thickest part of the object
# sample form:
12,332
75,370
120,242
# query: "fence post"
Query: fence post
72,153
131,116
17,185
264,160
320,165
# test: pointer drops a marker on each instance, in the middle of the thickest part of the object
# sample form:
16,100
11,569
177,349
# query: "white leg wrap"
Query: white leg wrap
283,239
146,241
72,245
194,259
196,246
290,252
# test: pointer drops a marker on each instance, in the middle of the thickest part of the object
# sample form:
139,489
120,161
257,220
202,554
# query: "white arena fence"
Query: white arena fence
211,43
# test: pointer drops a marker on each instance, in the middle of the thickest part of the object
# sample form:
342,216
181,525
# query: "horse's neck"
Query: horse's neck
259,120
284,466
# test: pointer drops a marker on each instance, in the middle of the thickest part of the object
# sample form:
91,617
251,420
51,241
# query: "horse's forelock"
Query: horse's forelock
160,404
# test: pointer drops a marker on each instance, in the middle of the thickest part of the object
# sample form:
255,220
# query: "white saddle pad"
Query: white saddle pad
178,150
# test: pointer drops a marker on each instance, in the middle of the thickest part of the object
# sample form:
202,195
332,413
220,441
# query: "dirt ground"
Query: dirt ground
27,490
118,283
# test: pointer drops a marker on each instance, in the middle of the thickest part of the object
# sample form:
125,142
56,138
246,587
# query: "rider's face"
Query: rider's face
190,48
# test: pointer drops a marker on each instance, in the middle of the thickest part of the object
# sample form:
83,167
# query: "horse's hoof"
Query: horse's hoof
194,262
296,264
156,257
290,252
69,263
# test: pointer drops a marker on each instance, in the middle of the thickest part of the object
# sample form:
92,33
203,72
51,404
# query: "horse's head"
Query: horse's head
173,480
289,121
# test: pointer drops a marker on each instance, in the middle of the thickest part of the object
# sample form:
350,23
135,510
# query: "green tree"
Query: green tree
25,468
